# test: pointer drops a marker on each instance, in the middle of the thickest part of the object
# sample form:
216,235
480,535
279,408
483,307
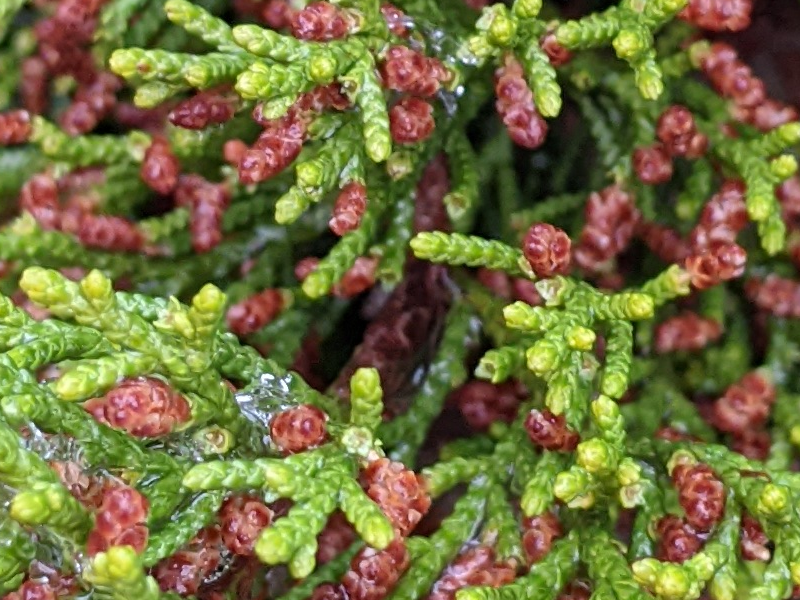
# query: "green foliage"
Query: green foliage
452,327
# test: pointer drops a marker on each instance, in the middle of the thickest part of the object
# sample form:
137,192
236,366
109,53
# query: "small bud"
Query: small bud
794,569
37,283
646,571
358,441
569,34
702,566
252,85
527,9
309,175
605,412
209,299
789,133
543,357
503,29
15,127
123,63
571,484
303,561
652,164
214,440
520,315
614,384
120,562
411,120
30,507
774,502
249,37
322,68
426,245
784,166
179,11
476,49
631,496
96,286
272,547
378,533
596,456
629,472
581,338
759,206
640,306
649,82
671,582
630,43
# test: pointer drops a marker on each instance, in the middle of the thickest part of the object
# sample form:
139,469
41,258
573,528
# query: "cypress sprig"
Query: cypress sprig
18,550
443,546
52,506
287,542
473,251
753,160
366,399
83,151
461,201
629,29
713,564
554,332
118,571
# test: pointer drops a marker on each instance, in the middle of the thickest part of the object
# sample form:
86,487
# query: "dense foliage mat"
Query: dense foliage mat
439,299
